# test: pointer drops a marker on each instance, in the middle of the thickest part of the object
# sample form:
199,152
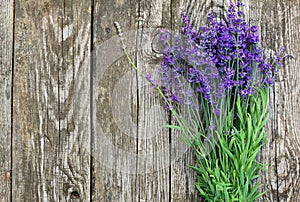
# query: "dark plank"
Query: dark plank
51,101
6,39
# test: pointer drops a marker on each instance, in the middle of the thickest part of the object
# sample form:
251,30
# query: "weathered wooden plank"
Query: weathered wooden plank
269,178
6,39
279,22
51,101
182,177
125,108
114,148
154,146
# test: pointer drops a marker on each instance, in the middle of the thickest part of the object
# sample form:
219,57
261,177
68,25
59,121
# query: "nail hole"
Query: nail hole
75,195
107,30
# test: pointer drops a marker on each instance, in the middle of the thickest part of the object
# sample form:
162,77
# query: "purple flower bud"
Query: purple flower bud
164,36
254,29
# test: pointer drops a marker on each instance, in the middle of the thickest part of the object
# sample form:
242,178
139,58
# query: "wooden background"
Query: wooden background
62,105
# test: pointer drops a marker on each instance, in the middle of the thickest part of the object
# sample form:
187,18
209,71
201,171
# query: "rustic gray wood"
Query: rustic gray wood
183,178
6,45
112,142
151,177
51,101
279,22
153,154
133,158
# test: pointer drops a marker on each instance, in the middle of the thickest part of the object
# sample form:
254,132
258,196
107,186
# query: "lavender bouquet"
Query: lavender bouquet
215,81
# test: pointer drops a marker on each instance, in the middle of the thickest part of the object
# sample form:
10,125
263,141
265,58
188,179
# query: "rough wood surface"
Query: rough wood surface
51,101
153,146
182,177
280,27
6,45
113,145
133,126
134,159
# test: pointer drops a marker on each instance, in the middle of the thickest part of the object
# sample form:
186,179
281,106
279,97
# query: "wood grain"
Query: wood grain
279,22
145,181
182,177
153,142
46,93
114,146
51,101
6,46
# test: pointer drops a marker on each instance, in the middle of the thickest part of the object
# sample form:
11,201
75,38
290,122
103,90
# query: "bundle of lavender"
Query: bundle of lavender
216,81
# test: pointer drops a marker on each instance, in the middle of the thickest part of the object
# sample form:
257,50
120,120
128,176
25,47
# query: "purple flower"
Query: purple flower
254,29
224,50
175,98
151,80
217,112
164,36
